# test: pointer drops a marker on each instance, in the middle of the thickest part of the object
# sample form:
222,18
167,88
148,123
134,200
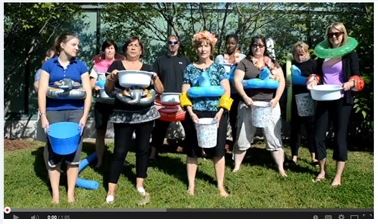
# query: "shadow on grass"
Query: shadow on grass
176,168
41,170
39,165
257,155
104,170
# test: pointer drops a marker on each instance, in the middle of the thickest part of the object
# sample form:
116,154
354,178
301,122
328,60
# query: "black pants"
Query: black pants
295,131
338,113
158,133
123,134
234,115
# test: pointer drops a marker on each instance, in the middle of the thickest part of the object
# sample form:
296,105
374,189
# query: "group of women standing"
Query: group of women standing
234,105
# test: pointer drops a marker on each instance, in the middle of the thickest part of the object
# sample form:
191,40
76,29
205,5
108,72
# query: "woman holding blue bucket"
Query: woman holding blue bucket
131,115
58,103
205,94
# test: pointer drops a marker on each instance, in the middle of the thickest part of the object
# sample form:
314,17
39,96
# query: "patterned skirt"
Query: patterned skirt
134,117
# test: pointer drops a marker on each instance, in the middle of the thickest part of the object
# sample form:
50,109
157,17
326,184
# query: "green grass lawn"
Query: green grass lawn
256,185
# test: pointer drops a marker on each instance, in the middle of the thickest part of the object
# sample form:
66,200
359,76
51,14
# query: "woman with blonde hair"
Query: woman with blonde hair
307,68
338,65
205,107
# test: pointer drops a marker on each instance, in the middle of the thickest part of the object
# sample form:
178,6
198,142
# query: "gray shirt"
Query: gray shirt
252,72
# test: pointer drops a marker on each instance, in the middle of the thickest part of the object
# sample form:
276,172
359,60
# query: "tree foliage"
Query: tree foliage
31,27
29,30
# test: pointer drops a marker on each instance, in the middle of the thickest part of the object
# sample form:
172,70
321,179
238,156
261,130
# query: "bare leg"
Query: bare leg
340,166
191,169
220,164
54,176
72,174
239,156
279,157
100,145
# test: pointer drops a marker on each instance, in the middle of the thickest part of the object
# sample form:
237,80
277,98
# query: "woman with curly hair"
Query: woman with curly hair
205,107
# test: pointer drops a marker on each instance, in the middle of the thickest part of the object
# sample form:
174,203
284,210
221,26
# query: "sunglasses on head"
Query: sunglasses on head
172,42
336,34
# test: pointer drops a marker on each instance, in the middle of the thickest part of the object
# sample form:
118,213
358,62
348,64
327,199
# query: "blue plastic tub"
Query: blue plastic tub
64,137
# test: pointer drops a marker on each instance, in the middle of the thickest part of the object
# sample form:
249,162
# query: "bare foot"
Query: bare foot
190,191
336,182
320,178
282,173
70,199
223,193
236,169
55,199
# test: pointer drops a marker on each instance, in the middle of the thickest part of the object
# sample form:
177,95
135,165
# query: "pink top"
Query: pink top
333,71
103,65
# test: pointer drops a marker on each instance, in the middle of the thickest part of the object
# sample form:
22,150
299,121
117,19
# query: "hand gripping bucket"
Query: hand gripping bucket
305,104
64,137
261,113
207,131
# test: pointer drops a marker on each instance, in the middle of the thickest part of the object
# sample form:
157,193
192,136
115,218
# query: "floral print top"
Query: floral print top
193,76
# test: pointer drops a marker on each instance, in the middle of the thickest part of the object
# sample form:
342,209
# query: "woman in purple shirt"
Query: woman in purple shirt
343,71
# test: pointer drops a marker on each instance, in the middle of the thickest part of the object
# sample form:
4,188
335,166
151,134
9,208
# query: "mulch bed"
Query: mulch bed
17,144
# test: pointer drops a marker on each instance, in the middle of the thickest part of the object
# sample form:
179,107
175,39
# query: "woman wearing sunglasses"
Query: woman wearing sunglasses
250,68
340,70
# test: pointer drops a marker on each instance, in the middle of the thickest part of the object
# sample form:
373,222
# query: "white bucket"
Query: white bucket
305,104
261,113
207,132
326,92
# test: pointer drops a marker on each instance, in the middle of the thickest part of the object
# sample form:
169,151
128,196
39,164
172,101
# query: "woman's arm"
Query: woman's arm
88,98
278,73
112,77
157,84
184,90
42,90
238,79
93,78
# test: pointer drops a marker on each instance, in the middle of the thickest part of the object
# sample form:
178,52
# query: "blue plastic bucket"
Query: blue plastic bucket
64,137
